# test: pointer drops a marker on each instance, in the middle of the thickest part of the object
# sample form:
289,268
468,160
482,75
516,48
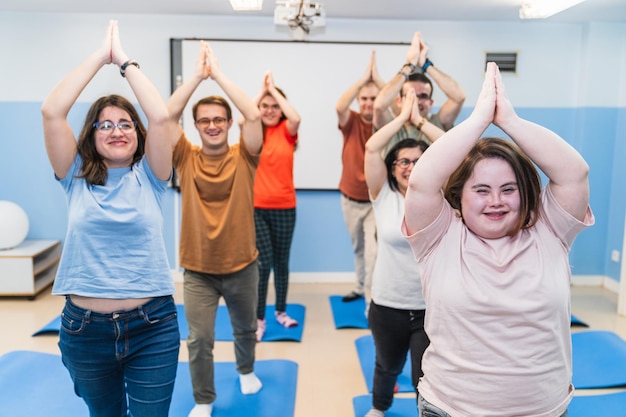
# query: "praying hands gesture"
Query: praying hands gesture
415,50
61,143
566,169
118,56
371,73
375,168
268,83
203,68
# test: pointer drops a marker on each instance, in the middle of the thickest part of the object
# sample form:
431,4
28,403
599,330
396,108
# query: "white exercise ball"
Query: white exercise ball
13,225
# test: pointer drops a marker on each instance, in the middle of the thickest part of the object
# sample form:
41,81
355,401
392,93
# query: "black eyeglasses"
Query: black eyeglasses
405,162
108,126
206,122
422,96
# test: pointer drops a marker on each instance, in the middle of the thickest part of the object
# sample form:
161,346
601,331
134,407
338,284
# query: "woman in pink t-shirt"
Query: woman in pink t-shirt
493,252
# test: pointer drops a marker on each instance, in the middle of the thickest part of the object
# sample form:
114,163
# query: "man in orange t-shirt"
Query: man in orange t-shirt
355,202
217,239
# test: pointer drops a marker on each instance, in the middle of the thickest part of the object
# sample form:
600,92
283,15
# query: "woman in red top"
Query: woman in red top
275,199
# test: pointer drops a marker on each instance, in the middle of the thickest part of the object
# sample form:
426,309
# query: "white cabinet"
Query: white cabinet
29,268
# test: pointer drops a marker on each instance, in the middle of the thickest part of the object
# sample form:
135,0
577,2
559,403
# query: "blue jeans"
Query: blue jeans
202,296
426,409
396,332
123,363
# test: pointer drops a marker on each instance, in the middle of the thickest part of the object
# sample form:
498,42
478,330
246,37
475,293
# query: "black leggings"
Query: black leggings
274,232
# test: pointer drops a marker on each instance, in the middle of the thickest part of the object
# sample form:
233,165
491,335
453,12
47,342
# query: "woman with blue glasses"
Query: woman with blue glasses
119,335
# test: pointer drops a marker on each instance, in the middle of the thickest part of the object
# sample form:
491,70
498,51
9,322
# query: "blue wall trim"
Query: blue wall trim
321,243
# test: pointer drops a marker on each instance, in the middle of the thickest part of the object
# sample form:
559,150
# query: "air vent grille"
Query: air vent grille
507,61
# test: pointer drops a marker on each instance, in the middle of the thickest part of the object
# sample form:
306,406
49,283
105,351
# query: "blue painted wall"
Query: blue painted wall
570,78
321,243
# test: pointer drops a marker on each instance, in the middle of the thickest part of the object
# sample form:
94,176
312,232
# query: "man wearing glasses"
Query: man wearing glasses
412,74
217,240
356,129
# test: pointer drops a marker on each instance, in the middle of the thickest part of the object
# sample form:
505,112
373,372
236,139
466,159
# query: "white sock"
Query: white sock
375,413
201,410
250,384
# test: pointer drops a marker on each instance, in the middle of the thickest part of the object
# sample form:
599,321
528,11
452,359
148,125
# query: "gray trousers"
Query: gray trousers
202,294
361,225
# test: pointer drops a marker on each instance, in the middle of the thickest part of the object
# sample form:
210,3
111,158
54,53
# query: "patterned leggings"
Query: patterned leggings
274,232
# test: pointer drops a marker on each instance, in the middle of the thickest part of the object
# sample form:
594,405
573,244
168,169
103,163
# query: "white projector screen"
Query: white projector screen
313,75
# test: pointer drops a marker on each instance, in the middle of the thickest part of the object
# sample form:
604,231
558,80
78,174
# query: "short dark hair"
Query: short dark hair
528,180
220,101
93,168
392,155
421,78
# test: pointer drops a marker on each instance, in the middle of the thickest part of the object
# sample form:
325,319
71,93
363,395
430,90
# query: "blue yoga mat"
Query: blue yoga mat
34,384
350,315
599,360
401,407
223,329
605,405
367,357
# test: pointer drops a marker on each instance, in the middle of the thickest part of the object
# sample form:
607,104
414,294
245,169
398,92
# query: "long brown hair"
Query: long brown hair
93,169
528,181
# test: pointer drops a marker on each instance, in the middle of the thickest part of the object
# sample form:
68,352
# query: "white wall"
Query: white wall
38,49
567,67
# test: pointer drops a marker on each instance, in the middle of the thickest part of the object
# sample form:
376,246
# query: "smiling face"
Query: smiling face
270,111
423,93
212,123
490,200
403,165
367,95
116,147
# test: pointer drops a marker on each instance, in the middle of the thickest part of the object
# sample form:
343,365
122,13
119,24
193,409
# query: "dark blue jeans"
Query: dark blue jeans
123,363
396,332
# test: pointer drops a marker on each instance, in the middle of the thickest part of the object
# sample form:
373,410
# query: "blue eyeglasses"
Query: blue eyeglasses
108,126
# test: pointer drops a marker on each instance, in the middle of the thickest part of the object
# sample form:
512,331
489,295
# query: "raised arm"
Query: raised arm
162,131
375,168
432,131
388,94
346,99
179,99
563,165
251,129
424,196
293,118
450,110
58,135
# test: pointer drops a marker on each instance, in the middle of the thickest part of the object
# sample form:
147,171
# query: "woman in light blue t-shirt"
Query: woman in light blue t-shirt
119,335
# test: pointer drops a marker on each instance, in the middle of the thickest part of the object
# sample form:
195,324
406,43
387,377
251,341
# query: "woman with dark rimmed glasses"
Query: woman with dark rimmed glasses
397,309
